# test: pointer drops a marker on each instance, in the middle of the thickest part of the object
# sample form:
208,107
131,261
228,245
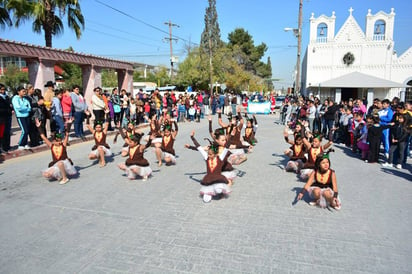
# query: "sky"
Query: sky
138,31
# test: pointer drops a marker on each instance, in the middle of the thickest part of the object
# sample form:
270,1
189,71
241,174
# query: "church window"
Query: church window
322,33
379,30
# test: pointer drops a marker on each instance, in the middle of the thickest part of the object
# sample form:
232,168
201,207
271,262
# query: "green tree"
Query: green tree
109,78
247,54
43,14
211,34
193,71
72,75
137,76
5,19
210,39
14,77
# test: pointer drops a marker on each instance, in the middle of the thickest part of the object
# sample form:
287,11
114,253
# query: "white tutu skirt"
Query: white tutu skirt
55,171
305,173
157,140
294,166
322,201
245,143
215,189
172,157
144,171
236,155
107,151
237,151
230,175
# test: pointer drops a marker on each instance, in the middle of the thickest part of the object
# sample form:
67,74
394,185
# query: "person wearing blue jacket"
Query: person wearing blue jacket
22,110
385,116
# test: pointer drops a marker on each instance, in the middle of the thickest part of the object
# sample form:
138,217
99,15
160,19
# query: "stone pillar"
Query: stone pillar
125,80
338,95
40,71
369,97
92,77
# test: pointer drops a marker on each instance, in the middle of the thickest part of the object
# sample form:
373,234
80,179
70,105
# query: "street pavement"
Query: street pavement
101,222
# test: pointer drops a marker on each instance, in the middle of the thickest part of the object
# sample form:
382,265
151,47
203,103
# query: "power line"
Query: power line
116,36
138,20
120,30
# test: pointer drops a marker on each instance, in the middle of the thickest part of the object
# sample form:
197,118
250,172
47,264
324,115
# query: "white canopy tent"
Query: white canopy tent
360,80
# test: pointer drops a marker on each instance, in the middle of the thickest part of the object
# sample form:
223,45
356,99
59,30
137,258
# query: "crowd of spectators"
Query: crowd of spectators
363,130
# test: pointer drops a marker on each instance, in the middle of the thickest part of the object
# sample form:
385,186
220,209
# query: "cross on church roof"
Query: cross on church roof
350,11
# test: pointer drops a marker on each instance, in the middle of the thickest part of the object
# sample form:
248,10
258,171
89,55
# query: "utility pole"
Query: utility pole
170,38
299,36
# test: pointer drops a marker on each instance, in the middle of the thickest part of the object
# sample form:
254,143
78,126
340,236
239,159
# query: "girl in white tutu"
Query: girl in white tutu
101,149
155,129
213,183
321,185
61,166
296,153
129,130
249,139
238,155
136,164
220,137
314,148
168,139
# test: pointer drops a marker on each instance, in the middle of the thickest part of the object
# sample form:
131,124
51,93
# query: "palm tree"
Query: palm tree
44,18
4,15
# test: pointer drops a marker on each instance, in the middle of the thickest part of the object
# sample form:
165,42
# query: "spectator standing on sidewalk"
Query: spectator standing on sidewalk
206,103
329,116
311,114
57,112
117,108
80,110
33,132
98,105
22,110
385,116
6,111
67,107
48,97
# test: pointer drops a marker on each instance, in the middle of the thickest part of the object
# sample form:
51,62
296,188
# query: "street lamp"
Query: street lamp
298,34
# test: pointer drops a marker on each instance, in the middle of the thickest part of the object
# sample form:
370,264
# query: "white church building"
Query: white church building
353,63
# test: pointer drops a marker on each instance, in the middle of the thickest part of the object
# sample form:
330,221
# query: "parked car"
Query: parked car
279,101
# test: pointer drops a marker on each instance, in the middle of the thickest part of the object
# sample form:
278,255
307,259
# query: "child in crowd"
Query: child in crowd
354,130
374,139
321,185
191,112
146,111
362,142
181,111
398,136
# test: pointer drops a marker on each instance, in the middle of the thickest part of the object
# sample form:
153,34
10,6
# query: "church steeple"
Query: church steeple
379,27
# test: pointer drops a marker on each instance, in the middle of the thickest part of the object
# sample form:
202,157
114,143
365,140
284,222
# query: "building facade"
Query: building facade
354,63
